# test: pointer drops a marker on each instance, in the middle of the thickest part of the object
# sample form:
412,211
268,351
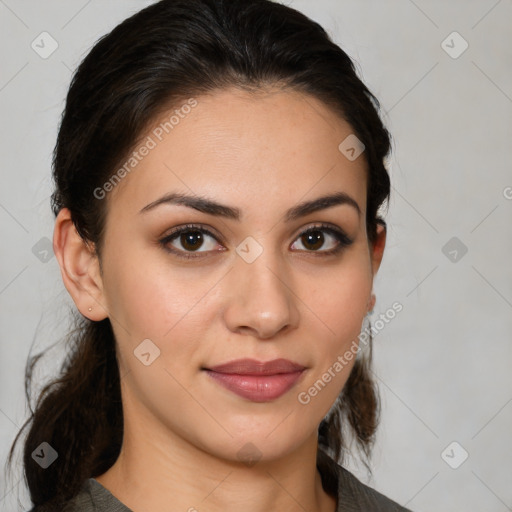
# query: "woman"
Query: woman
218,172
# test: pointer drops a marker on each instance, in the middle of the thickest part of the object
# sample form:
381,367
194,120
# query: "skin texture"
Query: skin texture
263,153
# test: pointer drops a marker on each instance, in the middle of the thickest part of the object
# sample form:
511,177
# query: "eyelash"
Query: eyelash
342,239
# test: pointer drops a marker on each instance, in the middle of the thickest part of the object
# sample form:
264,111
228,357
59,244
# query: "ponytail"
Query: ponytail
79,415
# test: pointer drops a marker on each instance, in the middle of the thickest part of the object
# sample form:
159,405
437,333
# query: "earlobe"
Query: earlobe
79,267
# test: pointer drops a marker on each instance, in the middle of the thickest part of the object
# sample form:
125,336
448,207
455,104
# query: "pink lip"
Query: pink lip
255,380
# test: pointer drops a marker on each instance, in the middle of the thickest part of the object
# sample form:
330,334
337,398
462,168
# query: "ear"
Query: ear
377,249
79,267
376,254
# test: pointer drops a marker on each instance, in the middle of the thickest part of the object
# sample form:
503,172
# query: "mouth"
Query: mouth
257,381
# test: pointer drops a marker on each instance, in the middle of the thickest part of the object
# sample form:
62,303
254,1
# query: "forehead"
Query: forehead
260,149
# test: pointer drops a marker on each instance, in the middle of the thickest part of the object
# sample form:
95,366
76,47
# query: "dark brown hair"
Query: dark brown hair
167,52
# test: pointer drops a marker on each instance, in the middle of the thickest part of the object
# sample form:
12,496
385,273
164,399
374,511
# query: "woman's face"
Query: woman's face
244,281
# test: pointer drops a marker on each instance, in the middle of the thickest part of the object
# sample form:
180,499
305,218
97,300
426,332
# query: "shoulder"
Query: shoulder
354,491
93,497
83,501
352,494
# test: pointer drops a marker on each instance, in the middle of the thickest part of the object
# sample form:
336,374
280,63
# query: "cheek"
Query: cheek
341,304
170,306
340,300
149,299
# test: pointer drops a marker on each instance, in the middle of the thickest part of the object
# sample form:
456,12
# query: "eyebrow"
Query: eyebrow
211,207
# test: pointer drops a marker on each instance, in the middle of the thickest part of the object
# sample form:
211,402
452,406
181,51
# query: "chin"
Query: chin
257,446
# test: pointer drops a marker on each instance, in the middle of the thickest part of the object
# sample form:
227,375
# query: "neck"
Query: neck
153,472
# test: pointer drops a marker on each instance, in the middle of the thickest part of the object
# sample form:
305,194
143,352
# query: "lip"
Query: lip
257,381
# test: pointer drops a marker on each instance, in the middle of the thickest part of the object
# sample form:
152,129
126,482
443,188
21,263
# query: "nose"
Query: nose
262,302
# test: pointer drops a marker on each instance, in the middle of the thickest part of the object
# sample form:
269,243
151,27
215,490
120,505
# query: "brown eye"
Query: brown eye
313,239
191,240
186,240
316,237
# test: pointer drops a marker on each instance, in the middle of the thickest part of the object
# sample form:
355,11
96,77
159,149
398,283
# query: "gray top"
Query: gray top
352,495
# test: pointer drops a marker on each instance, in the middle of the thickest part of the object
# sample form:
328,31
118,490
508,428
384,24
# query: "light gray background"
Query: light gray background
444,361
